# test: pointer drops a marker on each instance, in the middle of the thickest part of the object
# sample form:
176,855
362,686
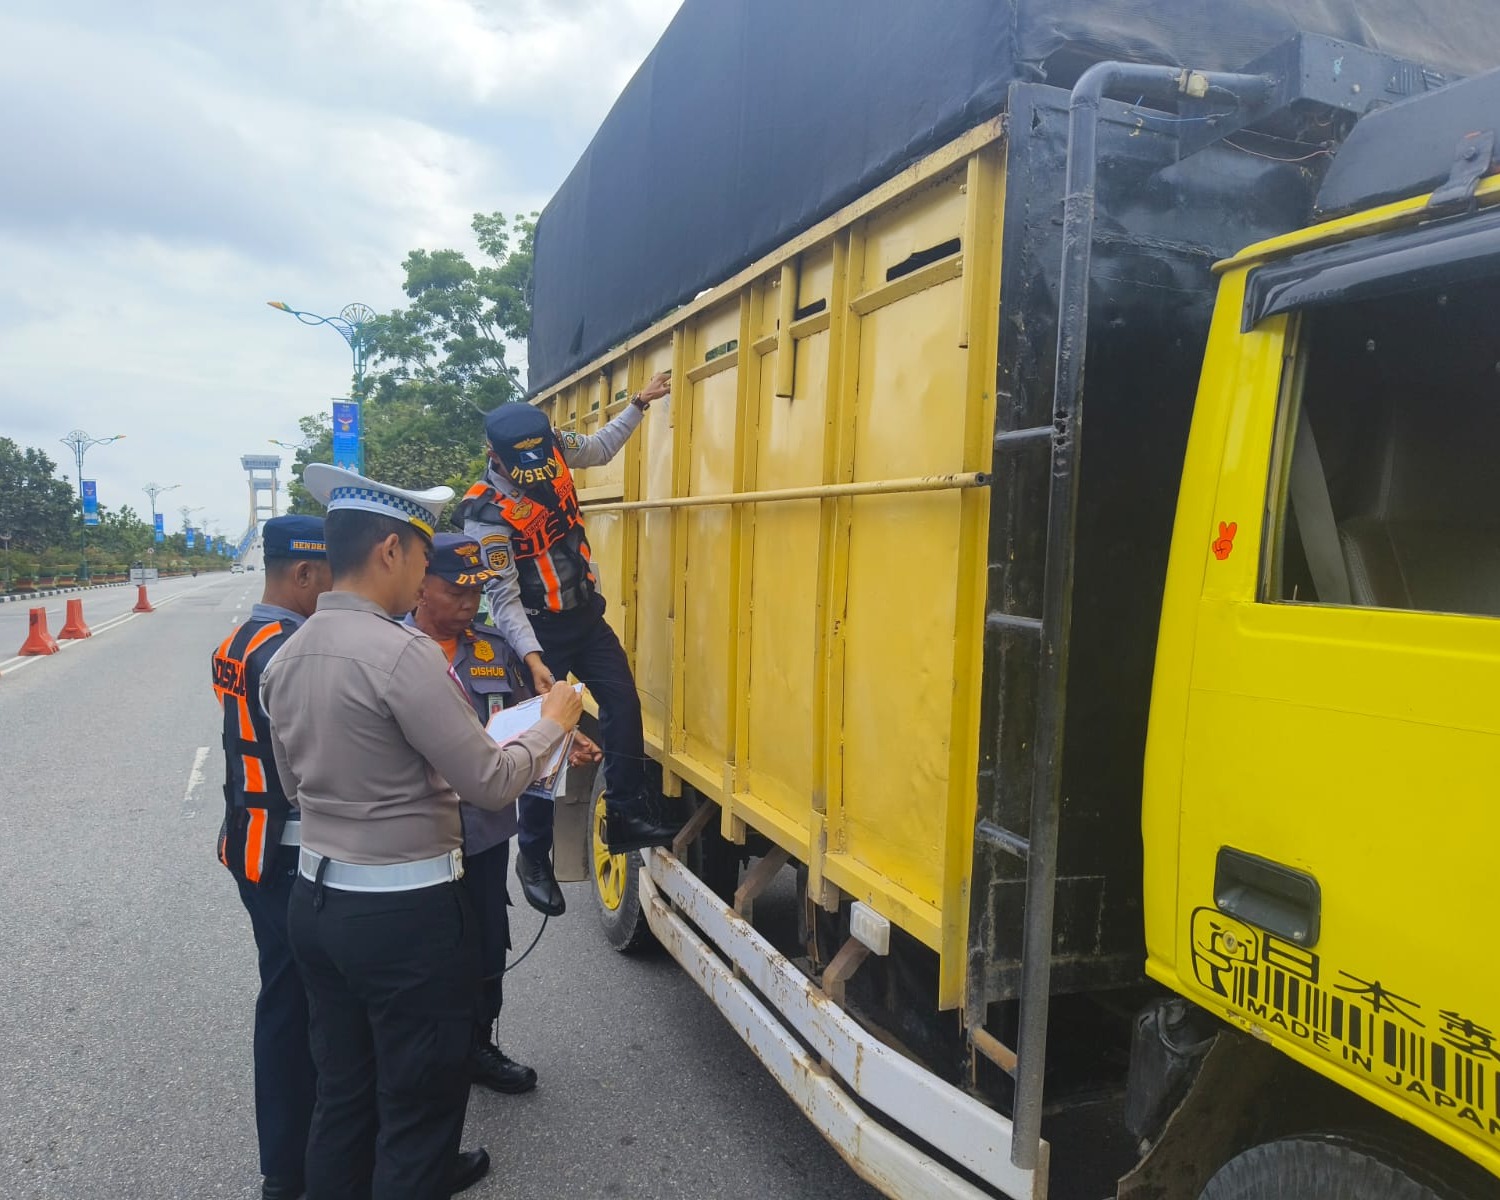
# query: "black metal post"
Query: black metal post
1057,597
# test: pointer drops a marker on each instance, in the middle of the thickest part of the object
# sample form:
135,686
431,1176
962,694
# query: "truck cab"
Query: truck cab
1319,820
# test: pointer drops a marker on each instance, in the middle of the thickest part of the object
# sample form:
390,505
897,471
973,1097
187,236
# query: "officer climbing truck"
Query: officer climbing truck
1097,615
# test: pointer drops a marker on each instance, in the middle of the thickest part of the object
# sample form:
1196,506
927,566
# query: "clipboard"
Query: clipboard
509,723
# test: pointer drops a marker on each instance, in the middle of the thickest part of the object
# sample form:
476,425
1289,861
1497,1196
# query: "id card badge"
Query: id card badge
496,703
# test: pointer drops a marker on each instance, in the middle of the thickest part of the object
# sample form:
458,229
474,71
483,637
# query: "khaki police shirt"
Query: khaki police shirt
376,743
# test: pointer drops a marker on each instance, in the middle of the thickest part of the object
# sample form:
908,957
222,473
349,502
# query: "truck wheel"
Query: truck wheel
1315,1169
617,887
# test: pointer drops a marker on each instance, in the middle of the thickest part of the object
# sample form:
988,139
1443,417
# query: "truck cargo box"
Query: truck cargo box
752,119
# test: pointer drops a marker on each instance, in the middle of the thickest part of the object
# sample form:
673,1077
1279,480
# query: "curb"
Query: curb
93,587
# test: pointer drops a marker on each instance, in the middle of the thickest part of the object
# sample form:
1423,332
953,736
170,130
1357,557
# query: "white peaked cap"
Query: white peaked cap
339,488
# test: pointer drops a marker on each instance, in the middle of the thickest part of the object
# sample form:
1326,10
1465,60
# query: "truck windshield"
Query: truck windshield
1388,493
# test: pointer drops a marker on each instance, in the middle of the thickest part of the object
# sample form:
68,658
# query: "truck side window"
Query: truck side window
1390,497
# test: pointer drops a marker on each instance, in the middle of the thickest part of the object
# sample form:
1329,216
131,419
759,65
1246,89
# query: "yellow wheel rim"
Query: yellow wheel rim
609,869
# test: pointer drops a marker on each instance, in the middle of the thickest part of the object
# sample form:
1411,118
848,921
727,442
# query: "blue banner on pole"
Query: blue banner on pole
190,532
90,502
161,531
348,448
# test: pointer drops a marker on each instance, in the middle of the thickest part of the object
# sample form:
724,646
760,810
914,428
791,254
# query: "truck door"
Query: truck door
1340,815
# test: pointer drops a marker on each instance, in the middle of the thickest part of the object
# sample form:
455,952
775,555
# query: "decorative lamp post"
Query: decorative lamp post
352,324
80,443
187,516
154,490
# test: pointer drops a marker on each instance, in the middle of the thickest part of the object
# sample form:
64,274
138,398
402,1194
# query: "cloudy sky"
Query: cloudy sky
170,165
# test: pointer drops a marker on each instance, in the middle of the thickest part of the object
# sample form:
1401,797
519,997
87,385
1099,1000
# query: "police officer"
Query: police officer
545,599
258,843
377,745
492,677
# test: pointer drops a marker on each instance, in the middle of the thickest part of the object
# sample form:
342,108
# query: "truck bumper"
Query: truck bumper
780,1013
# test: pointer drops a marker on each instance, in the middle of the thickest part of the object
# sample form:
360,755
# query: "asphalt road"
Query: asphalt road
127,976
100,607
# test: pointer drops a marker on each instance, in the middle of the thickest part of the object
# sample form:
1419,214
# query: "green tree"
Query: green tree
442,362
36,506
120,538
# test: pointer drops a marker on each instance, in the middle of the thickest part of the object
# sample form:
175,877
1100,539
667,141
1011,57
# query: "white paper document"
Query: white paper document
509,723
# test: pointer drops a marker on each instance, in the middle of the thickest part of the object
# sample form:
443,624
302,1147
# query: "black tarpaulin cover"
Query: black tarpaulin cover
753,119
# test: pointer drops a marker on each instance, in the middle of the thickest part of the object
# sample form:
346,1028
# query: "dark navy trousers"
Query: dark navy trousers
285,1081
484,880
580,642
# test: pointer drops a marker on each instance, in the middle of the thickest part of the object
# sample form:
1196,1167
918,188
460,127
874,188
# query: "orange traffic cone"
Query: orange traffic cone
38,640
74,627
142,604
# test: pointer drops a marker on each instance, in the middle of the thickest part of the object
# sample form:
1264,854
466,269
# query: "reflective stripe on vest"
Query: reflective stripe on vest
550,541
255,807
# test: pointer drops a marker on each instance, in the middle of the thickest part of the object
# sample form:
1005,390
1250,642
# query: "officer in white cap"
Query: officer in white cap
377,743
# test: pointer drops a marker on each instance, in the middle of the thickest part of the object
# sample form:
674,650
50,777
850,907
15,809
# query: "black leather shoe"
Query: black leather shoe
272,1188
539,886
468,1169
490,1068
635,829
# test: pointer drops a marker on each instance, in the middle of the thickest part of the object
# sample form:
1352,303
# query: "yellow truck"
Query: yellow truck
1094,615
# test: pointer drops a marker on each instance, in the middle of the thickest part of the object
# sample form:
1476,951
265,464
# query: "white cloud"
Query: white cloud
176,164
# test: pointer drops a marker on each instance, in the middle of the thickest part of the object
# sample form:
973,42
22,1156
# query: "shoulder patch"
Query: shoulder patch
498,556
570,440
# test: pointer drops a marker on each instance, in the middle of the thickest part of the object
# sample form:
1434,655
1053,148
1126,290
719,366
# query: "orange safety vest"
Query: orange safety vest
554,565
255,808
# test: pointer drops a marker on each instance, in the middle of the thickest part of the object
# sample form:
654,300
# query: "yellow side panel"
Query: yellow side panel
903,558
708,622
898,673
653,585
784,583
811,663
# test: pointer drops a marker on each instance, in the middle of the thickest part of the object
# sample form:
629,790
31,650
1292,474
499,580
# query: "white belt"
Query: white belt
383,877
291,833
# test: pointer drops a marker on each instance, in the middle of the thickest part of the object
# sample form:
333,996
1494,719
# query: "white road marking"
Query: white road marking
11,665
194,782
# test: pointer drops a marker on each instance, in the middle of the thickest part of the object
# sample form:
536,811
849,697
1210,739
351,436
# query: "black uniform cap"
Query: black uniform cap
521,437
294,537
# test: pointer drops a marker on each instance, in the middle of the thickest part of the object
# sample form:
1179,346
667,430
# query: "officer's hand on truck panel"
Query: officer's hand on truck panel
656,387
563,704
540,676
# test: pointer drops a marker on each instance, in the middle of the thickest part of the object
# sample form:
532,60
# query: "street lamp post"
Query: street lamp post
154,490
81,443
5,536
352,324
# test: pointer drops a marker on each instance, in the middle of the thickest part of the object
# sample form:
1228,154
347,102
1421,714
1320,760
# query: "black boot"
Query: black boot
273,1188
490,1068
637,825
468,1169
539,886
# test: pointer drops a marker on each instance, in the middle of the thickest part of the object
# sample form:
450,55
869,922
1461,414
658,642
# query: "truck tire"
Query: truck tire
617,887
1312,1168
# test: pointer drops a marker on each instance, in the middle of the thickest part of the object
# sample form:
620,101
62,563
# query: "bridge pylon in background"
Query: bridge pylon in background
262,472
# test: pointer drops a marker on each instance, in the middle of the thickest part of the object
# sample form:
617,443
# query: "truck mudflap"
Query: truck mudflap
847,1072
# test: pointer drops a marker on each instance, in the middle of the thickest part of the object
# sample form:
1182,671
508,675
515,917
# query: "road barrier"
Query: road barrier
38,639
142,604
74,626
